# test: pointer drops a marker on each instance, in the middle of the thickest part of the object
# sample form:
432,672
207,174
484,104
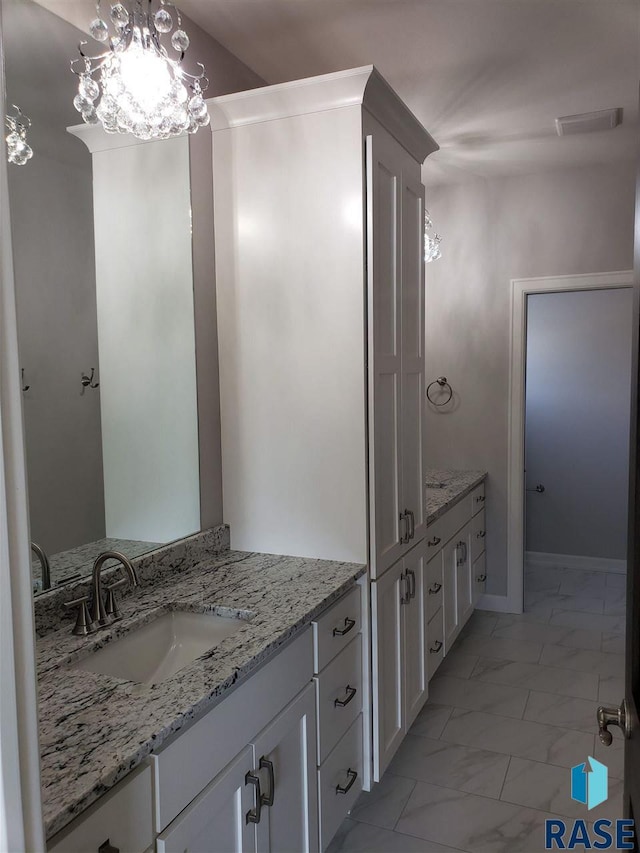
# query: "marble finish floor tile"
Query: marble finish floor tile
521,738
353,837
384,804
502,649
477,696
458,663
545,787
564,711
616,580
615,602
431,721
540,578
513,628
613,642
534,676
471,822
603,663
480,623
587,621
543,603
611,690
475,771
578,582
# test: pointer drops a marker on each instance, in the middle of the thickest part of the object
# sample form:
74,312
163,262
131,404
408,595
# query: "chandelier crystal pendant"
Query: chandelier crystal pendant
137,84
431,240
18,150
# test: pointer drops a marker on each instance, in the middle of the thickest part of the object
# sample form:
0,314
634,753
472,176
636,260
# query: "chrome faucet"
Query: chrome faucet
102,614
44,563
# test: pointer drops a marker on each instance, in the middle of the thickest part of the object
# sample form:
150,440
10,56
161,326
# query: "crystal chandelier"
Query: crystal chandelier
135,85
431,240
18,150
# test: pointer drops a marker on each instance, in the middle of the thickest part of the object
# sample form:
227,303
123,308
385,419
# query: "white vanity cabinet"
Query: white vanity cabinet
399,654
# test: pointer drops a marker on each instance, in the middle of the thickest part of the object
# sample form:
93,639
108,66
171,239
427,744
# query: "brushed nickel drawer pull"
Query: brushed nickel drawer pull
435,589
348,625
433,542
481,534
480,499
351,692
481,578
436,648
353,775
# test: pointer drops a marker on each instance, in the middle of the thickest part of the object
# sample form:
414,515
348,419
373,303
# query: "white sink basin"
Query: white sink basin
159,649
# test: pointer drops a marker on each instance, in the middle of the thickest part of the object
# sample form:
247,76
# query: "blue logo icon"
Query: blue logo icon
589,787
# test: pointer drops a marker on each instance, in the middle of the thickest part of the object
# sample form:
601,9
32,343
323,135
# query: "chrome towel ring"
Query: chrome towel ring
442,382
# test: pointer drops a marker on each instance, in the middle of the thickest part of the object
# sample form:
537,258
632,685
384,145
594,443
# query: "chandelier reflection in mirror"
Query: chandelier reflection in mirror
137,85
18,150
431,240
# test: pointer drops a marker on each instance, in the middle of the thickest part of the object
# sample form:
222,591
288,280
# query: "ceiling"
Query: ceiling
487,78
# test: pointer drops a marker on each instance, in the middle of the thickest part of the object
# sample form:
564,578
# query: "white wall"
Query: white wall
557,223
577,422
146,339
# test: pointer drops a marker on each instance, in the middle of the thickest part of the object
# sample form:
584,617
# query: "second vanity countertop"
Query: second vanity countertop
94,729
445,487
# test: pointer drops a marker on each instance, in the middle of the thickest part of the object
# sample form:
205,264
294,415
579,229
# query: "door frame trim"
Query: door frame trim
521,288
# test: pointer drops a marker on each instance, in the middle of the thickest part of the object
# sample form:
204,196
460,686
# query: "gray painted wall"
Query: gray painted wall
557,223
577,422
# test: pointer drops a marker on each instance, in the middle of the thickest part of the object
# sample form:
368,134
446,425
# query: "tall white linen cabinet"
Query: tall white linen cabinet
319,230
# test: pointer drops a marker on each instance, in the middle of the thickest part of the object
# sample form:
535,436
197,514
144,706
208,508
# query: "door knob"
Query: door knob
612,717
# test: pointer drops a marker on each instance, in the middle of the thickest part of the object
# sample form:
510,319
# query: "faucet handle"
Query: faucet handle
111,606
84,625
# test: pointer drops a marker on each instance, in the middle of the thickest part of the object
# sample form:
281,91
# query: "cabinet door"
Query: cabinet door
386,625
464,578
216,820
285,756
450,592
414,636
384,277
412,416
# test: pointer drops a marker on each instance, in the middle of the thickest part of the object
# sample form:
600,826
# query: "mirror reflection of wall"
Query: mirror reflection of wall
104,278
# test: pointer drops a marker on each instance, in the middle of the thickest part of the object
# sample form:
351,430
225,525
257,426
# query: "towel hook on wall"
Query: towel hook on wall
441,381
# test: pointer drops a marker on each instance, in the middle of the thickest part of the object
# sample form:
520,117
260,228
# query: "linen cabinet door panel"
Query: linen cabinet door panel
387,653
285,763
216,821
412,416
414,639
450,593
384,175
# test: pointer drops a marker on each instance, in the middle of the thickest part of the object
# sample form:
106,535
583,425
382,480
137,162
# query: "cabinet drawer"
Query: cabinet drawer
447,525
435,642
335,628
478,533
341,771
186,765
123,817
479,577
338,696
433,586
476,498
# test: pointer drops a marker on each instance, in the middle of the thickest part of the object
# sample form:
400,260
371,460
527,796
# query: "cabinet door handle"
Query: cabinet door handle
433,542
480,534
435,589
435,648
348,625
411,575
353,775
341,703
267,799
480,499
254,815
405,598
412,531
404,519
481,578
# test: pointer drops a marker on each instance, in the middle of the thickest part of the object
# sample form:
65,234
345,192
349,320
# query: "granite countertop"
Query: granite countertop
445,487
94,729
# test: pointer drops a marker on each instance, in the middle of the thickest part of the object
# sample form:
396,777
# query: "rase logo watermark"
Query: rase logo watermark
591,788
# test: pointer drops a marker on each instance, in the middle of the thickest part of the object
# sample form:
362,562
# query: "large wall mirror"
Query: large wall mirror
104,270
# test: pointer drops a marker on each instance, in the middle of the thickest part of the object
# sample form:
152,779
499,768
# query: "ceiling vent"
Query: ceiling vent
589,122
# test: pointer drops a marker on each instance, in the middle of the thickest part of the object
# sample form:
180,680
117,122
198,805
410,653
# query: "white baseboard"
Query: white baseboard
573,561
497,603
